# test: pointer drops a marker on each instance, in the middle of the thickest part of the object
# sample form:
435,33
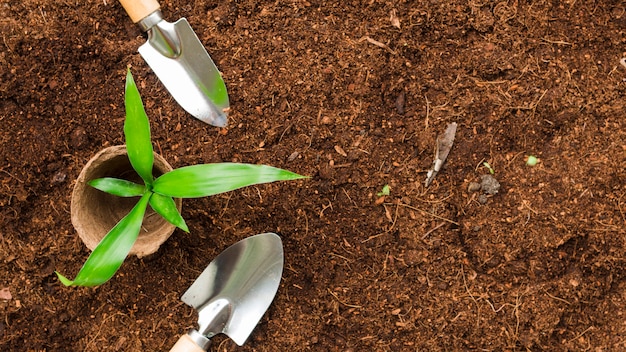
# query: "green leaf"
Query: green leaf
110,253
491,170
384,192
209,179
137,132
117,187
166,207
65,281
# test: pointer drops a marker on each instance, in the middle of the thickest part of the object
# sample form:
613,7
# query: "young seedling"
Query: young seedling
531,160
186,182
384,192
491,170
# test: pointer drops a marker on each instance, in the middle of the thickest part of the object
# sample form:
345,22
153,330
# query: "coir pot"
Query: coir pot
94,213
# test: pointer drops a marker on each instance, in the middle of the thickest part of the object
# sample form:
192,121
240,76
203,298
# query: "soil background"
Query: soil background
353,94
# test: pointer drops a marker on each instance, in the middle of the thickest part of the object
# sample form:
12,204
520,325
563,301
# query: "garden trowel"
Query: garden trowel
234,291
181,62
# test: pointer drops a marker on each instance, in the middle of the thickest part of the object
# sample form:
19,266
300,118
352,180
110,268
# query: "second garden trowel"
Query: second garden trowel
181,62
234,291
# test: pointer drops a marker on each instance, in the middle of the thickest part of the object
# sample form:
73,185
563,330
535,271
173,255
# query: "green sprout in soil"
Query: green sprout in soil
531,160
186,182
491,170
384,191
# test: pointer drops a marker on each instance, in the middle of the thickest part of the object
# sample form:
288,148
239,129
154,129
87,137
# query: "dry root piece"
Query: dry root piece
378,44
444,144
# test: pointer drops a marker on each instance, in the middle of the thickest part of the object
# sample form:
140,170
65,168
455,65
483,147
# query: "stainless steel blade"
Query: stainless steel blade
234,291
182,64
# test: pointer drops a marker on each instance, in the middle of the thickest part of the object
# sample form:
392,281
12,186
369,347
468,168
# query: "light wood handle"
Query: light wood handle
139,9
186,344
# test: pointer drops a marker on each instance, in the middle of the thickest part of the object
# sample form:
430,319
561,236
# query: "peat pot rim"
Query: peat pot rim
94,213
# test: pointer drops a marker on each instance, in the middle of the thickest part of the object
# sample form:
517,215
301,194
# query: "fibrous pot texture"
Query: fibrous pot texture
94,213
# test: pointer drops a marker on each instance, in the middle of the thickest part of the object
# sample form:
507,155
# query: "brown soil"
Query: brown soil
334,90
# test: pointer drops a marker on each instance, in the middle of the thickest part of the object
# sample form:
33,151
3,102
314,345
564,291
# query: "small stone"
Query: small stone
473,187
489,184
79,138
340,150
293,156
326,120
59,177
5,294
413,257
326,171
400,100
482,199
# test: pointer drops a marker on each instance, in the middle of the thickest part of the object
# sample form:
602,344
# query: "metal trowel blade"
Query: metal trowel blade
234,291
181,62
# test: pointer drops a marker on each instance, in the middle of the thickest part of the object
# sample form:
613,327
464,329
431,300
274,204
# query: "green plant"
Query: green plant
384,192
186,182
491,170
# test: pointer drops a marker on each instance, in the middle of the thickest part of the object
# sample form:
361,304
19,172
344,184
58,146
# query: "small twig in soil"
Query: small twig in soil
377,43
11,175
347,195
395,218
4,39
581,334
340,256
557,298
342,302
559,42
43,15
432,230
105,319
427,112
482,163
471,296
619,207
221,346
374,236
225,208
306,222
324,207
425,212
291,123
389,229
532,106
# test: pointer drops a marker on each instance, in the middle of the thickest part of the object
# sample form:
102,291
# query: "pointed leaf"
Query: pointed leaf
117,187
166,207
110,253
209,179
137,132
65,281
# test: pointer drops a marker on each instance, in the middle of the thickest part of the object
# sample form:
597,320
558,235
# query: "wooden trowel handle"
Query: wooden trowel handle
186,344
139,9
